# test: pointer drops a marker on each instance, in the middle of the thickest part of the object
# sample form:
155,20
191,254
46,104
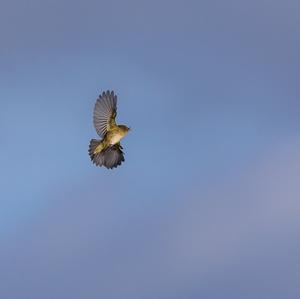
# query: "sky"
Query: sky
206,204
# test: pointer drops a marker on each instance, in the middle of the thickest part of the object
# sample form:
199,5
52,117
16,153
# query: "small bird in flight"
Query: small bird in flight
108,151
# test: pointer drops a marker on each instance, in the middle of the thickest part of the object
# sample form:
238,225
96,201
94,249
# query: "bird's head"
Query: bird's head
124,129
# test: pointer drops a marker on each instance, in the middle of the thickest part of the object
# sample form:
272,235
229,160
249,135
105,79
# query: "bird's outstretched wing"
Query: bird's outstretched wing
105,112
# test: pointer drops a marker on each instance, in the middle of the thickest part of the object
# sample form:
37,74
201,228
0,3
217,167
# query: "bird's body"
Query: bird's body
112,137
116,134
108,151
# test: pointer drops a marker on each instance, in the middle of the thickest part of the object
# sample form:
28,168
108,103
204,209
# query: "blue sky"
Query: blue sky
206,204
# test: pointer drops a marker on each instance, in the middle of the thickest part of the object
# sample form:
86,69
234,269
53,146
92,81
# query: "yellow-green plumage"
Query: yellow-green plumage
108,151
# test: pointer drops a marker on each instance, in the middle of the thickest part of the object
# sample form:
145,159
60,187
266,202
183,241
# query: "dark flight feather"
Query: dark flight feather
105,112
111,157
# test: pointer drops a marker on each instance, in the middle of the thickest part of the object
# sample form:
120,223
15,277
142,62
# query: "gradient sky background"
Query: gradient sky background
206,204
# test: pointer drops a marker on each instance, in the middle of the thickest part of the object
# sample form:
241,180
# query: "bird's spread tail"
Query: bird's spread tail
110,157
95,147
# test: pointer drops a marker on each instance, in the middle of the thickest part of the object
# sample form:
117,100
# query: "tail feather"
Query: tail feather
96,158
111,157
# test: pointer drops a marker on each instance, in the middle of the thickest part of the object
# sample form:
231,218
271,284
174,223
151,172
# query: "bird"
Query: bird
107,151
